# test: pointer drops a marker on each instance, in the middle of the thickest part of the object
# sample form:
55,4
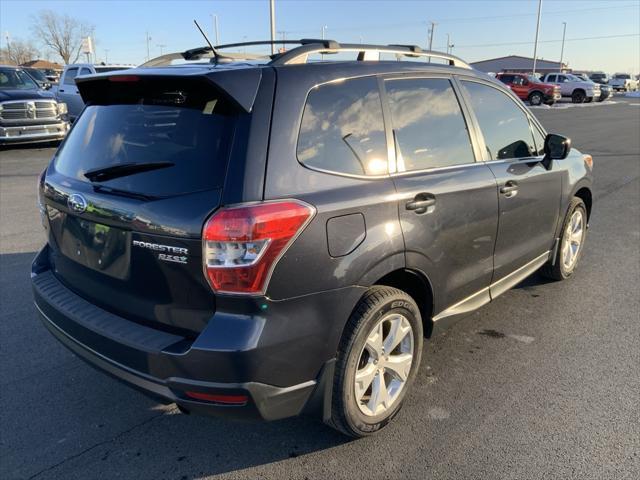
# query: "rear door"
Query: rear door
529,194
68,92
128,192
447,199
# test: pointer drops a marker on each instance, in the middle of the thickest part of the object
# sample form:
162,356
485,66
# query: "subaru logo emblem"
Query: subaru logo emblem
77,203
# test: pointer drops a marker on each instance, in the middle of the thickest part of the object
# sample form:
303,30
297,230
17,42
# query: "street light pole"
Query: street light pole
161,47
272,18
535,45
214,17
433,27
148,38
324,27
564,31
448,42
106,55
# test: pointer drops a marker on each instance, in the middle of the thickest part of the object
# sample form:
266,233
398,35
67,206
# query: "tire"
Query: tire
578,96
560,269
378,312
588,100
535,98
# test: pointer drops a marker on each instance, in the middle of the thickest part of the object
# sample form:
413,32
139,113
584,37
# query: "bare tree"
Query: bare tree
18,52
62,33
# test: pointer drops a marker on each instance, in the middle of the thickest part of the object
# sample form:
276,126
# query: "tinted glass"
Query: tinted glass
342,128
551,78
37,74
504,125
506,78
109,69
70,76
428,124
194,140
11,79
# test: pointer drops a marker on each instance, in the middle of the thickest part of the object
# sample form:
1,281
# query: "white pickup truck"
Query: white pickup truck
624,82
67,92
571,86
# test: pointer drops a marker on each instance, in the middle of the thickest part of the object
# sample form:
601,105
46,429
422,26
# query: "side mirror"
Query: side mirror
47,86
525,82
556,147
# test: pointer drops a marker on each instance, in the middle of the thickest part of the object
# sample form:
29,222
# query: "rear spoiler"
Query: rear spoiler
239,85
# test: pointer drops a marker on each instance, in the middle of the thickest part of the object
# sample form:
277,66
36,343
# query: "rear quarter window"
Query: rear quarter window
342,129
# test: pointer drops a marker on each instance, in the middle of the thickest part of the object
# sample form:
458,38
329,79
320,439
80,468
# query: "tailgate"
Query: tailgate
127,194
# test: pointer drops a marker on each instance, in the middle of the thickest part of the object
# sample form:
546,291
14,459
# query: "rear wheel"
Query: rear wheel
574,231
578,96
377,361
535,98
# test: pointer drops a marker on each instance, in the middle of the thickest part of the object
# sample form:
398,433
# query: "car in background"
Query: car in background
67,91
39,77
623,82
599,77
571,86
605,90
27,112
51,75
529,88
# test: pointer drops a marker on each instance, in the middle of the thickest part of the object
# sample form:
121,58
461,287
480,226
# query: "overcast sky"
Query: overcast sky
478,29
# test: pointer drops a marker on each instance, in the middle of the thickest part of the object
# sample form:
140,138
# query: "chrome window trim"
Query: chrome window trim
436,169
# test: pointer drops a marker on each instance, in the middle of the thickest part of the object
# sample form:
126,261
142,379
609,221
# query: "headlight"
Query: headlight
62,108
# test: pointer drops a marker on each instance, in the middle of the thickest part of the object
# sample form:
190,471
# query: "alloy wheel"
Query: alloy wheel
384,365
572,241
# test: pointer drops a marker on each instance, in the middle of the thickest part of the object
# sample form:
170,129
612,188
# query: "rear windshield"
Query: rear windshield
195,140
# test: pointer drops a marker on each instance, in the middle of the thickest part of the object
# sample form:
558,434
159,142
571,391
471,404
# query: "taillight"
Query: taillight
241,245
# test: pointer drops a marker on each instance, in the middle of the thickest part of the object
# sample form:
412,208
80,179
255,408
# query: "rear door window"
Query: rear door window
505,127
428,125
342,128
70,75
190,141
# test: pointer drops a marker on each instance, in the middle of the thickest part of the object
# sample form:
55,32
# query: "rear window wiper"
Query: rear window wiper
123,169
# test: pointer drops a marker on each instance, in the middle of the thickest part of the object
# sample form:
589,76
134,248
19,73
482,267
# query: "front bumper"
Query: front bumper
33,133
226,359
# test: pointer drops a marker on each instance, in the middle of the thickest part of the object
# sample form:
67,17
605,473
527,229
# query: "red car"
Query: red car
528,87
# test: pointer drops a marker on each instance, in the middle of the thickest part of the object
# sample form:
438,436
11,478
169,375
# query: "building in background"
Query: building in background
518,64
43,65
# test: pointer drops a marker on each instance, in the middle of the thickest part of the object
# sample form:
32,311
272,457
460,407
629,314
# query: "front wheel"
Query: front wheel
574,232
535,98
377,361
578,96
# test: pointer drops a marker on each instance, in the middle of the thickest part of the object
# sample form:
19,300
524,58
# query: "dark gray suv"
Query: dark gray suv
262,238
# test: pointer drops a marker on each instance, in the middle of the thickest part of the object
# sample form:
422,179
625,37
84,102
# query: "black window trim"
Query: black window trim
385,126
463,109
533,122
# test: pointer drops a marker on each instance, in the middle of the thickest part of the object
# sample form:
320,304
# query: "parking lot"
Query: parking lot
542,383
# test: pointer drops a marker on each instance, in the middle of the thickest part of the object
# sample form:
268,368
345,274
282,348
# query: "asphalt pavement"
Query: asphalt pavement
542,383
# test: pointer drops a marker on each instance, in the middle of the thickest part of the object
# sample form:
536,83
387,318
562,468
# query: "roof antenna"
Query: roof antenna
213,50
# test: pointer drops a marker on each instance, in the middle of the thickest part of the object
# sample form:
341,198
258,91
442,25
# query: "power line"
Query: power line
601,37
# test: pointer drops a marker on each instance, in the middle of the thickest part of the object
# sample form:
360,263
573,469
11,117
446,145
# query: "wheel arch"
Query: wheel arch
584,193
417,286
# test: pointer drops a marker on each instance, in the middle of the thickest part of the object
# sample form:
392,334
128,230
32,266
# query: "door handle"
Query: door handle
61,91
421,203
510,189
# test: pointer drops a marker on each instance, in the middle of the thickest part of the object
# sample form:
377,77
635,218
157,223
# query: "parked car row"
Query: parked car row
551,87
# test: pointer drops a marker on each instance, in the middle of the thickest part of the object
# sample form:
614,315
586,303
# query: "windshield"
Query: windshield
622,76
573,78
37,74
11,79
192,142
598,76
533,79
110,69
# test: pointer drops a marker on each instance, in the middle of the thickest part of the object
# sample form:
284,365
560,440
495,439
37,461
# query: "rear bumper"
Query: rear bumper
167,366
33,133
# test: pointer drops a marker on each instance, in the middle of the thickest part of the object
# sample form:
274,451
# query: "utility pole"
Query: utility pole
272,18
564,31
535,45
215,28
161,47
431,30
324,28
448,42
284,34
106,55
148,39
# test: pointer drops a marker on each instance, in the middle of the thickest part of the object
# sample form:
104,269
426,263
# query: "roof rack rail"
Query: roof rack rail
365,52
300,54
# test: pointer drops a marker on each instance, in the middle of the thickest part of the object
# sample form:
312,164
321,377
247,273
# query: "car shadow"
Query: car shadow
535,280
